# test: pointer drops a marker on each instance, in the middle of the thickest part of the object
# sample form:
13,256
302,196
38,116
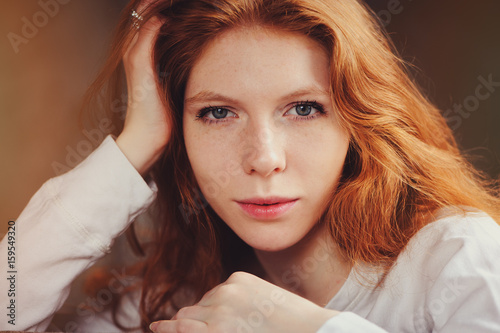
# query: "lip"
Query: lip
276,207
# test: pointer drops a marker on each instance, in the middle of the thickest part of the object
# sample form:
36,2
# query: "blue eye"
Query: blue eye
304,110
219,114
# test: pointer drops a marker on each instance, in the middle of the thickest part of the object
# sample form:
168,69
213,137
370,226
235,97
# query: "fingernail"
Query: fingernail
153,326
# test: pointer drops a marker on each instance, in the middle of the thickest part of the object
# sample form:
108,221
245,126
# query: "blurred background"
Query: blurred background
50,54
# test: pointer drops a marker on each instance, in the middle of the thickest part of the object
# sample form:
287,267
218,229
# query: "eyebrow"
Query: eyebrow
206,95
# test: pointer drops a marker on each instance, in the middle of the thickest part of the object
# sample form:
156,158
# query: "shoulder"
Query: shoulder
455,222
453,262
468,235
456,243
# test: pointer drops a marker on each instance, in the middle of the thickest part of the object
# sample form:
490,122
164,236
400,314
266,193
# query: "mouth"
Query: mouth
267,208
266,201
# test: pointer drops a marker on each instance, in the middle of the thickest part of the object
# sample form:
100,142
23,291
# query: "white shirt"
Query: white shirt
446,280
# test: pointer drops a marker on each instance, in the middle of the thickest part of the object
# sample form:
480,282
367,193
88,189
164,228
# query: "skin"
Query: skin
147,128
259,74
261,148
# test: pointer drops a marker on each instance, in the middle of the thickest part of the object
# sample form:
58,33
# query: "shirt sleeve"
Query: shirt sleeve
68,224
348,322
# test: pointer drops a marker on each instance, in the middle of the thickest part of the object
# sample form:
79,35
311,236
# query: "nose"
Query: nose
264,153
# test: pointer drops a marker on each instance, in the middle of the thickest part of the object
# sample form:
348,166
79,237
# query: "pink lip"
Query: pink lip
276,207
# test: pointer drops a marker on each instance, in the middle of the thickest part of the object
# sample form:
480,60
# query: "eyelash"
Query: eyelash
319,107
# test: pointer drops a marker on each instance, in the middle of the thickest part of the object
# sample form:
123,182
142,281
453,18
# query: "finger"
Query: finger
196,312
138,60
142,44
148,32
140,11
182,325
144,4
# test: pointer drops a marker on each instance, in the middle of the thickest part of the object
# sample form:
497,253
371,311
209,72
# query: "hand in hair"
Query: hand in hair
246,303
148,124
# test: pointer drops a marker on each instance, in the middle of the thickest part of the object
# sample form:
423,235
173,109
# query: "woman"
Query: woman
283,141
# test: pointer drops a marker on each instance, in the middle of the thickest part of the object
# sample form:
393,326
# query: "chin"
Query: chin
270,241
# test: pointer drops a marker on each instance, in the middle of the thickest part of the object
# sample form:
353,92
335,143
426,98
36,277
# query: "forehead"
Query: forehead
242,56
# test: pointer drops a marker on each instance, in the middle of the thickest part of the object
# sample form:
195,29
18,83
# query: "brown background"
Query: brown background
452,42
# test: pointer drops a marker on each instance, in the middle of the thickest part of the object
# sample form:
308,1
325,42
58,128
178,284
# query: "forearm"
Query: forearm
68,224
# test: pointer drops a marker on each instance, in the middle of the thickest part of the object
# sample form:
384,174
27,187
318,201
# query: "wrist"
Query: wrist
142,154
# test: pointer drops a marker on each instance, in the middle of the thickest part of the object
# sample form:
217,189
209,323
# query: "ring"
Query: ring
136,19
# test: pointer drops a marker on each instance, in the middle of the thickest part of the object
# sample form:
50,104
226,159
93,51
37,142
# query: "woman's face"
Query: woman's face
260,128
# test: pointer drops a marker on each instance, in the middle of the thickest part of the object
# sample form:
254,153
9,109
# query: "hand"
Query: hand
147,124
246,304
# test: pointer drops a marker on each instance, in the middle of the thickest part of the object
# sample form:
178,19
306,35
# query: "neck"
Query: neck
313,268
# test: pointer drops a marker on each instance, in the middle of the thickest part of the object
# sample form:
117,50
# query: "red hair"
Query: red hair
403,163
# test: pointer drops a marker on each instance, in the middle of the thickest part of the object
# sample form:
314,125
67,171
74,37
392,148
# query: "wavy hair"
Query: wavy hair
403,163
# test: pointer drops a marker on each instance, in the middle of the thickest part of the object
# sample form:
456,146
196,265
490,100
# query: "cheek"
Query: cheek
212,157
321,146
318,158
